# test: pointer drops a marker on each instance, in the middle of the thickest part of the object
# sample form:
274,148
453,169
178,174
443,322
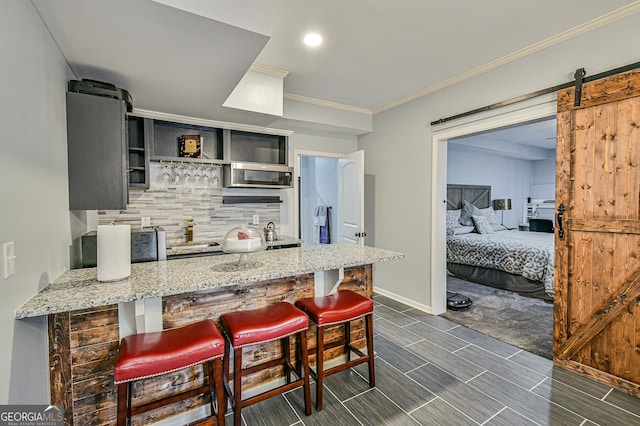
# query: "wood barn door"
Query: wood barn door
597,308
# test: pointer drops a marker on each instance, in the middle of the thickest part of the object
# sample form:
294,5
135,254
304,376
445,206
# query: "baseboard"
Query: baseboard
398,298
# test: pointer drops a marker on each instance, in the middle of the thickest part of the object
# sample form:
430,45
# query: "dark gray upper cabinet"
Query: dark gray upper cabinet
166,137
140,132
258,147
97,152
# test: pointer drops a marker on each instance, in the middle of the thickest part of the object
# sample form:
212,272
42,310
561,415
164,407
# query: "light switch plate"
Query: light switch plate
256,219
9,259
145,222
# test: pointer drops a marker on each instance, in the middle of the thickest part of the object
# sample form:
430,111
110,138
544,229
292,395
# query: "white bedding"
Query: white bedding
529,254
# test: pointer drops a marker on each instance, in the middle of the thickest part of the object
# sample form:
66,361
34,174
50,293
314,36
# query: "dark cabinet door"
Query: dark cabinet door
97,153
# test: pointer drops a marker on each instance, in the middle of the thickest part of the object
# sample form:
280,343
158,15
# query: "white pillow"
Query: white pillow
468,210
482,224
490,214
452,218
459,230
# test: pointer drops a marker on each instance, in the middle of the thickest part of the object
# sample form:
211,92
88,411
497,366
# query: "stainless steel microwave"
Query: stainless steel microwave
257,175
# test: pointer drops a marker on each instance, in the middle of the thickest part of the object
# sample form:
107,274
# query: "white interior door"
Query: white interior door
351,198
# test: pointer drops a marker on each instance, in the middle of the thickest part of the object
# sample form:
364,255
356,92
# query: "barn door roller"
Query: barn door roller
579,80
579,76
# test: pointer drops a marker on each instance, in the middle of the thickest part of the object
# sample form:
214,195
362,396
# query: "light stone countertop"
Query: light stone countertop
80,289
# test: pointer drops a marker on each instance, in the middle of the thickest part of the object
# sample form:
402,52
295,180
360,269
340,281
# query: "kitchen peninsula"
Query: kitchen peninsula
87,318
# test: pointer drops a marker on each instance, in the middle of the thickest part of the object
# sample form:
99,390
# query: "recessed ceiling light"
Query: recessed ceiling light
313,39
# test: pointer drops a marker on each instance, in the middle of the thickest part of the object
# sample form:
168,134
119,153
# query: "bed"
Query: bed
483,251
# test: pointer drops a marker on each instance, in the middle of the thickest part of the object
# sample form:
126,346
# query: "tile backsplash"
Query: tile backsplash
170,208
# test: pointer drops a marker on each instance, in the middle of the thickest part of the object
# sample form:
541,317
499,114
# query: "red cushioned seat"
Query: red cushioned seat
152,354
336,308
156,353
340,308
275,322
263,325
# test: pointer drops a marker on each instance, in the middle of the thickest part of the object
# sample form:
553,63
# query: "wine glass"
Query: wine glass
176,175
215,181
197,173
166,172
205,174
186,177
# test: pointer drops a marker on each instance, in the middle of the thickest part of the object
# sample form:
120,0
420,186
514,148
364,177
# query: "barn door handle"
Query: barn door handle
561,211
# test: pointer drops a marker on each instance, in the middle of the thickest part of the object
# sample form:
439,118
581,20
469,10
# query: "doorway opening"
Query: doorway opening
507,268
335,185
532,110
317,198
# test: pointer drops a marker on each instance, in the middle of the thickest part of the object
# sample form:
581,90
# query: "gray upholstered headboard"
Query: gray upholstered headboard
478,195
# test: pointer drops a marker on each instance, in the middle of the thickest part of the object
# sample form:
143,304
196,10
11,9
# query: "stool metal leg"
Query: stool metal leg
237,386
220,392
319,366
286,353
372,370
304,356
214,368
347,340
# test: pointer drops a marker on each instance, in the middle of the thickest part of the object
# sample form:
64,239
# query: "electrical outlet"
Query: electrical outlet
9,259
145,222
256,219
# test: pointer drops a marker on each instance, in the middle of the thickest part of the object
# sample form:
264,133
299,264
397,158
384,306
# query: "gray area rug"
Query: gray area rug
520,321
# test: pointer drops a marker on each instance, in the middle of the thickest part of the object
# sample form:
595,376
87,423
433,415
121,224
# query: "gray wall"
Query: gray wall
399,149
544,171
33,187
508,177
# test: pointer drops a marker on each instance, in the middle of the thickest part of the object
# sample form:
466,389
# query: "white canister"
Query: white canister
114,252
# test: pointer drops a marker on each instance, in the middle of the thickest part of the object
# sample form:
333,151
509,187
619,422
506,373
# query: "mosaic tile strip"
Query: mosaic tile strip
170,208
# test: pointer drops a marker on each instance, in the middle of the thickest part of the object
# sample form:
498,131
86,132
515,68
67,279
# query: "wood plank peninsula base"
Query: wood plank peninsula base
83,346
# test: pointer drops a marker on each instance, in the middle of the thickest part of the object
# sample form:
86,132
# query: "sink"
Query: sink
193,246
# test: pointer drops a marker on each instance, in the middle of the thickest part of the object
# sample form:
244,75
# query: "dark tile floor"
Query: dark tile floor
431,371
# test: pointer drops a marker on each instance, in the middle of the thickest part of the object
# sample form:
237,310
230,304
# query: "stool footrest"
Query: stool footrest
270,393
343,343
362,358
264,365
342,308
345,366
277,322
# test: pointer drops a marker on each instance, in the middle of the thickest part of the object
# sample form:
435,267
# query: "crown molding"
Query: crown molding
208,123
266,69
600,21
326,104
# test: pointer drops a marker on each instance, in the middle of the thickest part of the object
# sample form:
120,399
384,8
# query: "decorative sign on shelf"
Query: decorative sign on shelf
191,146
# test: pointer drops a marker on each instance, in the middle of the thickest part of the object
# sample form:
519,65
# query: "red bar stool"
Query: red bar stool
340,308
152,354
275,322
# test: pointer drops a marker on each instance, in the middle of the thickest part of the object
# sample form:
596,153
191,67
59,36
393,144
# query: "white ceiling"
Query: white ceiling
527,141
376,54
